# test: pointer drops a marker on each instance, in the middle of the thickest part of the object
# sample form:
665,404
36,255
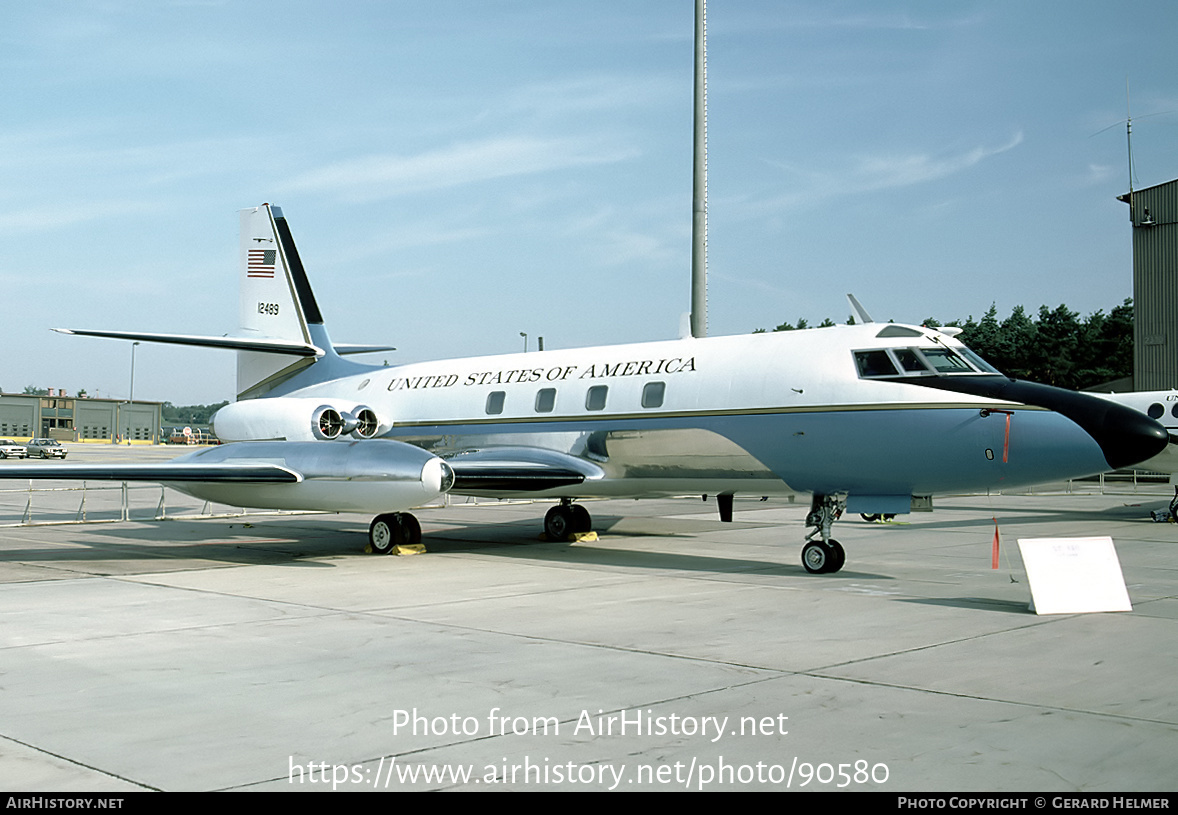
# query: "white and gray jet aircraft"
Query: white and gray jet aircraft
872,418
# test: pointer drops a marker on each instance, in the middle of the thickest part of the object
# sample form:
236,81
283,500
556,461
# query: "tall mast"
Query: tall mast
699,207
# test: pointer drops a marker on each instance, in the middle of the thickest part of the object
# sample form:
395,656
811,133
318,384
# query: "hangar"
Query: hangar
1153,211
57,415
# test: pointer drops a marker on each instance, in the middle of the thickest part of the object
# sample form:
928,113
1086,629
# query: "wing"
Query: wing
377,475
164,473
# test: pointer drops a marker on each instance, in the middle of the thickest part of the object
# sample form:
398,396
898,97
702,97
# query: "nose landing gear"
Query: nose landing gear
824,556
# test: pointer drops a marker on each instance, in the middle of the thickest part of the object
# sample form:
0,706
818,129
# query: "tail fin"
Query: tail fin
280,329
276,303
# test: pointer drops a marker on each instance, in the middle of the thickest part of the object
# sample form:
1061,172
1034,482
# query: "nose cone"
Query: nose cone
1126,436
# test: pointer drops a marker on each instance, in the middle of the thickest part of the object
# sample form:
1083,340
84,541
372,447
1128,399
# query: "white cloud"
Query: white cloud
884,172
872,173
385,176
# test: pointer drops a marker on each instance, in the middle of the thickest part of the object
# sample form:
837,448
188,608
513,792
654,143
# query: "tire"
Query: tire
412,528
385,533
838,556
582,520
816,557
558,523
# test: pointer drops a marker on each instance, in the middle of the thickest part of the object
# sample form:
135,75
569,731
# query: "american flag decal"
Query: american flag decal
260,262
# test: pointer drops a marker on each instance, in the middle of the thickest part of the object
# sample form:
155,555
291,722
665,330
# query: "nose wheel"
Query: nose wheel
825,556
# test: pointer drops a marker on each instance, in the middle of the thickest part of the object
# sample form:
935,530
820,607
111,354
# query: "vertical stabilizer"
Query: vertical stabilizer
276,302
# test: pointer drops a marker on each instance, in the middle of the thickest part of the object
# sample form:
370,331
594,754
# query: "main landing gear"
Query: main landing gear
824,556
387,532
566,519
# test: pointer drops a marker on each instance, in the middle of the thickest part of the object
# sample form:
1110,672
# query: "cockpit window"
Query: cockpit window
886,363
909,361
892,330
945,361
978,362
874,363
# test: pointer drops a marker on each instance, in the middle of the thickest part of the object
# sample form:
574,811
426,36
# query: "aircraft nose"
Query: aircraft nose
1126,436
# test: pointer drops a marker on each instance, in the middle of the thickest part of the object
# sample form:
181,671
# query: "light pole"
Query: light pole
525,336
131,400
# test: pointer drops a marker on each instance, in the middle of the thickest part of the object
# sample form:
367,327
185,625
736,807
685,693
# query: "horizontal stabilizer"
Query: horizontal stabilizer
343,349
265,346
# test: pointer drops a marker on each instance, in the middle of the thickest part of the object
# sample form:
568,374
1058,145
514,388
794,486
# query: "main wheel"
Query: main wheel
412,528
558,523
582,522
386,533
817,557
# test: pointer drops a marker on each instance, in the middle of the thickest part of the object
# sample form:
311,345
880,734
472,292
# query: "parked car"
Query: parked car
10,449
45,448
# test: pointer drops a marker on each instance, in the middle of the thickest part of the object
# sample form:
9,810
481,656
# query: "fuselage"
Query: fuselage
875,411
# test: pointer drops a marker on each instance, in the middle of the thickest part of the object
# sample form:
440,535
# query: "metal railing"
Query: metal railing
112,502
101,502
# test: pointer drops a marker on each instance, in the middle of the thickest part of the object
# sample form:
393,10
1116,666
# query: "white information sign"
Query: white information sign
1074,575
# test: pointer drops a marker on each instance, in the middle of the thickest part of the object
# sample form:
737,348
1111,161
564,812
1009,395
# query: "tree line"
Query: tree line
1058,348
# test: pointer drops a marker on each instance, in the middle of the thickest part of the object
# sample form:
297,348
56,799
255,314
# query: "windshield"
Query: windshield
883,363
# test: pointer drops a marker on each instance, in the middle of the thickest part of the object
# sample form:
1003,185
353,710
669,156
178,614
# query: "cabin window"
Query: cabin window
495,402
652,394
1156,411
595,398
1174,411
545,400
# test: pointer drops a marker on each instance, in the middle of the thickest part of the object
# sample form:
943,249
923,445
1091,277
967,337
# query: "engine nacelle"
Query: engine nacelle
296,419
372,476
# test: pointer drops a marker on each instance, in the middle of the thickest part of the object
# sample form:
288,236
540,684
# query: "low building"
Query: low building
70,418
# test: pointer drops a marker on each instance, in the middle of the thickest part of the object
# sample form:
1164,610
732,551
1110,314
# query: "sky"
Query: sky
456,173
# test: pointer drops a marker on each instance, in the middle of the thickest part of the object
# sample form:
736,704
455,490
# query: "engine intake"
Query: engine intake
296,419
